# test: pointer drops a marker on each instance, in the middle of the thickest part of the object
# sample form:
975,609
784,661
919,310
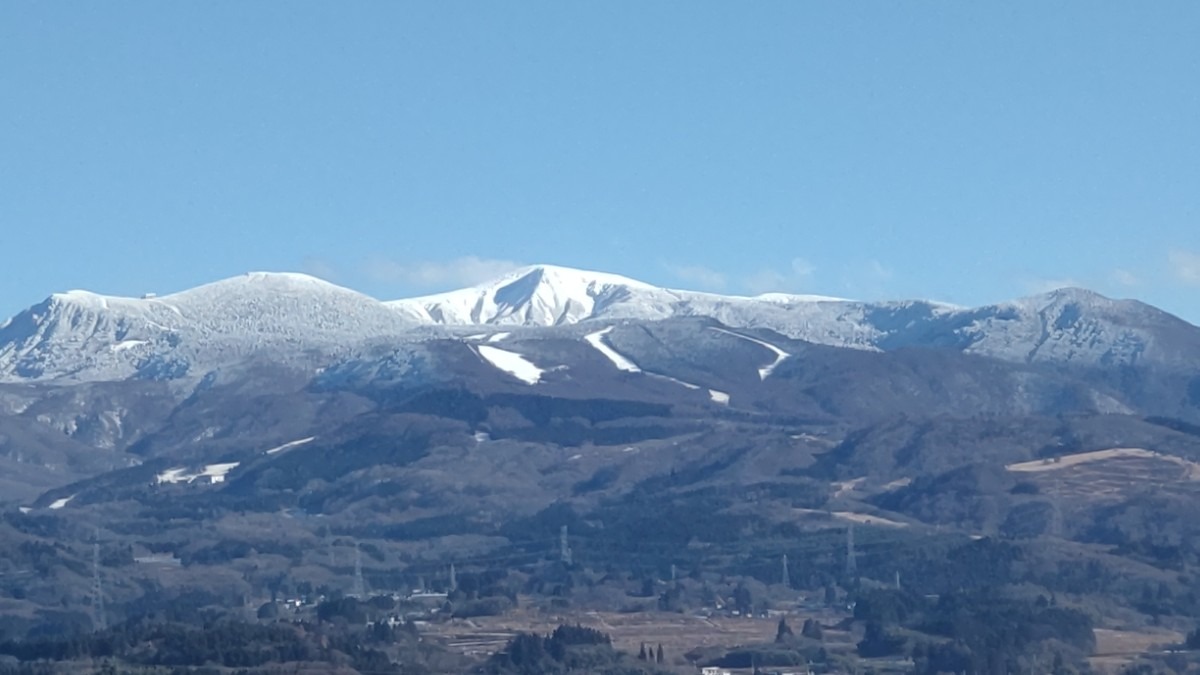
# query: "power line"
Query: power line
360,587
564,546
98,618
851,562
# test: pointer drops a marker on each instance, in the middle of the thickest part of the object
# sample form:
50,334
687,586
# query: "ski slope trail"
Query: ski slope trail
765,371
512,363
623,363
288,446
596,340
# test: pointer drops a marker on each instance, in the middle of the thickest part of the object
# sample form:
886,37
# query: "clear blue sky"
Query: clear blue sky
968,152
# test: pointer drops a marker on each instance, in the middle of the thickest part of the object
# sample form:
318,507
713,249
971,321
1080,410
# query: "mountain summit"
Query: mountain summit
548,295
92,336
539,295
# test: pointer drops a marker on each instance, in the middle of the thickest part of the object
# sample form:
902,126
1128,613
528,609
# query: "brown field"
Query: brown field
1116,649
678,633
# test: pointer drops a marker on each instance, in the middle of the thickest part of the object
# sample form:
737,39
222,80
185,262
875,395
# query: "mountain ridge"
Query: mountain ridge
291,316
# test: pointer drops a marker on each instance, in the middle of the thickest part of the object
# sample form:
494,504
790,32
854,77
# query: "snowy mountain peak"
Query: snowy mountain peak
84,335
540,295
298,318
566,277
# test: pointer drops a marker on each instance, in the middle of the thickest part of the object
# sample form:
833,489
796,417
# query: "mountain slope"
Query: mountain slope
292,318
86,336
548,295
1064,326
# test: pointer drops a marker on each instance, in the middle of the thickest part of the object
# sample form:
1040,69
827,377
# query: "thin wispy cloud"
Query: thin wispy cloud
867,278
698,277
1125,279
796,278
1045,285
319,268
1185,266
463,271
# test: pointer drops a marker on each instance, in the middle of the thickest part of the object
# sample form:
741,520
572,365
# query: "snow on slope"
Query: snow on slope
298,319
215,473
288,446
512,363
541,295
597,340
547,295
1064,325
765,371
86,336
622,362
714,395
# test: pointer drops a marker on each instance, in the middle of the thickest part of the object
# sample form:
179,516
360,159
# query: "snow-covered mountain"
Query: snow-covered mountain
292,318
1068,325
95,337
548,295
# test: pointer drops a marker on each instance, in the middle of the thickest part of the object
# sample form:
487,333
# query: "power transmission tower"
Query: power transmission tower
897,579
453,579
673,577
1056,525
784,577
360,588
98,617
564,546
851,561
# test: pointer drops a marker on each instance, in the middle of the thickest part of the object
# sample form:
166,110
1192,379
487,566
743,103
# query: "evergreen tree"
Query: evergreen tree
659,655
783,631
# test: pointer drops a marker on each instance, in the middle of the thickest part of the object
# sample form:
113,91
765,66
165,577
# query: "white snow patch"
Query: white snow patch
290,445
217,472
127,344
597,340
716,396
498,337
477,336
481,437
59,503
214,472
668,378
848,486
178,475
765,371
573,458
24,509
512,363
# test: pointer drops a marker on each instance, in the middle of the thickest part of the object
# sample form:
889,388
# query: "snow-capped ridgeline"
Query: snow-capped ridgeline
95,337
542,295
85,336
547,295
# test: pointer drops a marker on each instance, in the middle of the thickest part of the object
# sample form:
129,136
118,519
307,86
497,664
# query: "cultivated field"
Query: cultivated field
677,633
